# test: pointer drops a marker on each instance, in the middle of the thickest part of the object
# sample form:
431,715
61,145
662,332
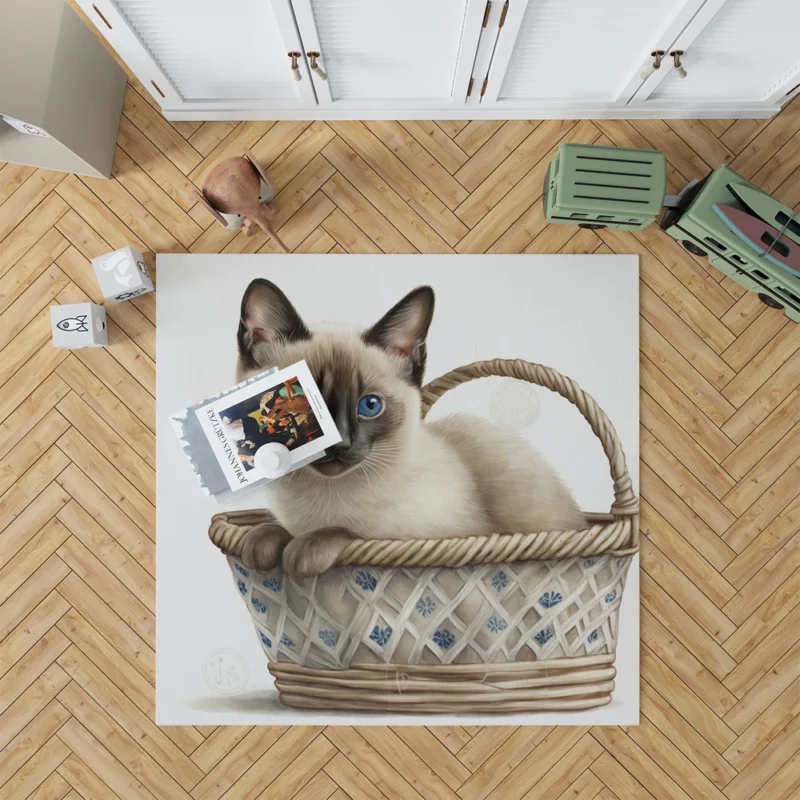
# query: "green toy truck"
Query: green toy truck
701,231
597,187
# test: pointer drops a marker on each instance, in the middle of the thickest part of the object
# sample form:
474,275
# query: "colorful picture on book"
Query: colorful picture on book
280,406
280,414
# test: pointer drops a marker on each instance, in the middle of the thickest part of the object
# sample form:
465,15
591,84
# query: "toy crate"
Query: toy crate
697,226
597,187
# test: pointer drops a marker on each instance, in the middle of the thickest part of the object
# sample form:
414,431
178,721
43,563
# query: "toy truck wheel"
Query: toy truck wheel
592,226
769,301
693,248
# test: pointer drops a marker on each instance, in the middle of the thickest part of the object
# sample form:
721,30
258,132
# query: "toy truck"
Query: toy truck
597,187
700,229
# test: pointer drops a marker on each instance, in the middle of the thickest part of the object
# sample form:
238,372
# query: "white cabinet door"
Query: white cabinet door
209,54
390,54
741,51
573,53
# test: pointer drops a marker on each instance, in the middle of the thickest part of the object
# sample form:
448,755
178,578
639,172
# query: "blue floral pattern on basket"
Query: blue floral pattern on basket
610,597
258,605
329,637
592,637
240,585
496,624
500,580
444,639
544,636
425,606
590,562
366,580
286,641
273,584
266,641
550,599
381,635
241,570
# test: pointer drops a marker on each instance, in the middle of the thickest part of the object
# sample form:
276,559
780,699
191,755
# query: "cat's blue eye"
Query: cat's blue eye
369,406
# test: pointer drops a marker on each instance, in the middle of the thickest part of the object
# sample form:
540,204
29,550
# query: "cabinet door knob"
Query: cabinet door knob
295,67
651,68
676,60
313,56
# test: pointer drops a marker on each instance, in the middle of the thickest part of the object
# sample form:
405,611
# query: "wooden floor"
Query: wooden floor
720,408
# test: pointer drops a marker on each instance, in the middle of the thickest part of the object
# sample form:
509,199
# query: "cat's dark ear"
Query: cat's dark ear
267,318
403,329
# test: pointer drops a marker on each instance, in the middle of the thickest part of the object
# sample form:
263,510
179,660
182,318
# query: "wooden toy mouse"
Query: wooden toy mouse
238,194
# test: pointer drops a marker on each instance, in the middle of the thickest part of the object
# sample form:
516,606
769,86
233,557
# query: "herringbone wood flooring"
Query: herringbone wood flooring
720,492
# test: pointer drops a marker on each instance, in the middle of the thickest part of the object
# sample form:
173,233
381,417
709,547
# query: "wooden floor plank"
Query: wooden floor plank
437,143
31,230
536,147
12,176
31,266
419,161
152,197
94,606
157,165
393,188
120,744
102,771
160,132
25,199
37,769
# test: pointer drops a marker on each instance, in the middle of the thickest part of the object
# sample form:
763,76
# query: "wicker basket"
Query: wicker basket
498,623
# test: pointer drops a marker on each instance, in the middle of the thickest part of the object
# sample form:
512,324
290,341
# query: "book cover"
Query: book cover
222,434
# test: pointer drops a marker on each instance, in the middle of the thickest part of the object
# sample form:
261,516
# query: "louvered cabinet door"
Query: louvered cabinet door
208,54
736,51
567,54
390,54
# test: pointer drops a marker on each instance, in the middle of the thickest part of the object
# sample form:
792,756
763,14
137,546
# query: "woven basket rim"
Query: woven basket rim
611,539
614,533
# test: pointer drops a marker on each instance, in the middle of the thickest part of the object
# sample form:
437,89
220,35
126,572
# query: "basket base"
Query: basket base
567,684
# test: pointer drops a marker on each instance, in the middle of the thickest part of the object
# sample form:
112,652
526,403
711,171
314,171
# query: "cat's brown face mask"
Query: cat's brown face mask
370,380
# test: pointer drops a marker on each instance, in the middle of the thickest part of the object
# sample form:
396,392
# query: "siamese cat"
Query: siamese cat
392,476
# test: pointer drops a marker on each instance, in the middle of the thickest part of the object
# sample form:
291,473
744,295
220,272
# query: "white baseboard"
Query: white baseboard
651,111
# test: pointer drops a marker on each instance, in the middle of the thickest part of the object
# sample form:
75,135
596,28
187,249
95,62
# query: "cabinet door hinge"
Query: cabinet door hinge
483,88
503,15
469,88
487,12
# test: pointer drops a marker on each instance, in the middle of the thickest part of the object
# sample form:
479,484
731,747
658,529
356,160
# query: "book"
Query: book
221,434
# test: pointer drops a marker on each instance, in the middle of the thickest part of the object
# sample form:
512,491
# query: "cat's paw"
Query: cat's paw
263,545
315,552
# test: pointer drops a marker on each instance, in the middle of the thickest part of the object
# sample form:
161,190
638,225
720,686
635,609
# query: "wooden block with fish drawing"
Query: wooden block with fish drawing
122,275
78,325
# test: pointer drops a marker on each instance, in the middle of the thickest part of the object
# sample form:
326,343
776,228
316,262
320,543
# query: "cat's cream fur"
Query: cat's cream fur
455,476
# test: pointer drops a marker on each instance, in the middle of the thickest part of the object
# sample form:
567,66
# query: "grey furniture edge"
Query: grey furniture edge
58,77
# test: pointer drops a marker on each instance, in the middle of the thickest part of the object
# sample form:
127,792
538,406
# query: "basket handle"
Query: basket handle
626,503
